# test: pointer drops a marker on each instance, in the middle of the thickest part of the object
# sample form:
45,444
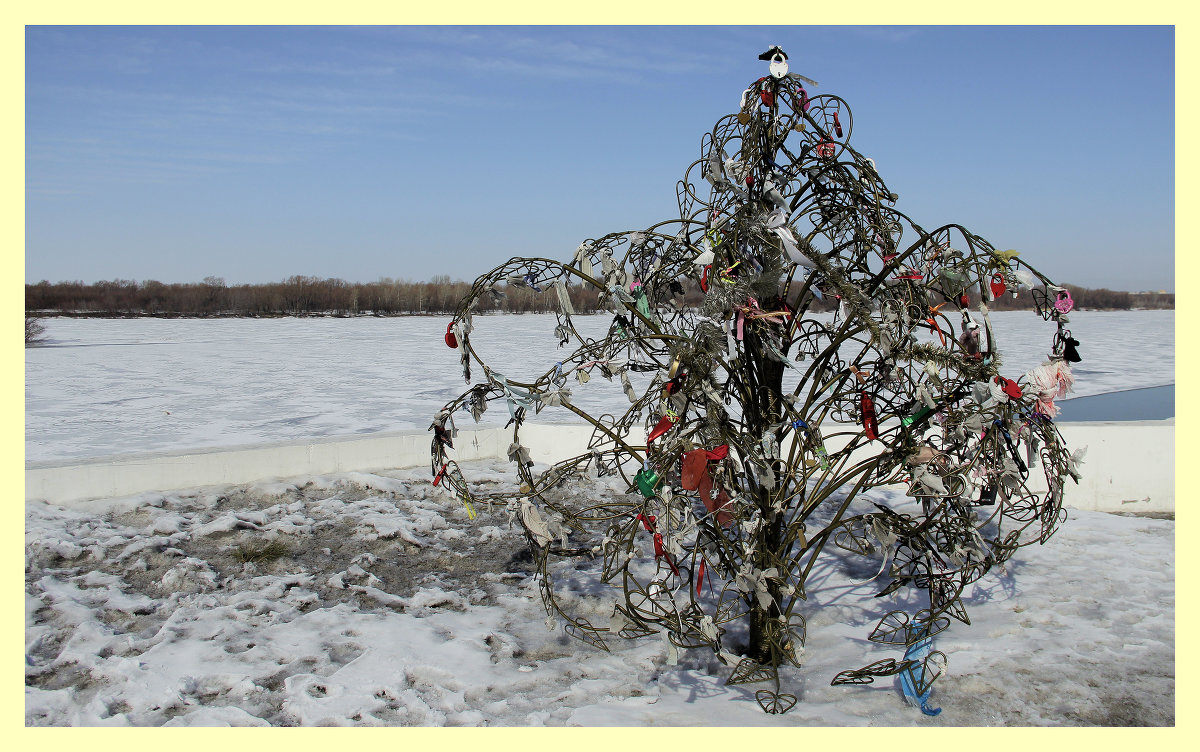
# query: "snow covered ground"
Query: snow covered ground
379,602
386,605
118,386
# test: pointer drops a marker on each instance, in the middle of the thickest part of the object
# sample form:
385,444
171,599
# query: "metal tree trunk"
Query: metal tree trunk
762,408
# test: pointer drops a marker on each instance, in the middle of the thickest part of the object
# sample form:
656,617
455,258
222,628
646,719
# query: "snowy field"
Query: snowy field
386,606
119,386
378,602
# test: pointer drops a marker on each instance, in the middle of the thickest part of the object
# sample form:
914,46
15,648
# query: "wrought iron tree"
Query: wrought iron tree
762,422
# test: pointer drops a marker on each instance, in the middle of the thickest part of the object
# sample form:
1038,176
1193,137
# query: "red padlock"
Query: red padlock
451,340
825,149
1010,387
837,124
998,286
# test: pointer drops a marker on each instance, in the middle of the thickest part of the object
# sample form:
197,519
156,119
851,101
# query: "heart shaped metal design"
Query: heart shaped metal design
867,674
749,671
931,668
774,702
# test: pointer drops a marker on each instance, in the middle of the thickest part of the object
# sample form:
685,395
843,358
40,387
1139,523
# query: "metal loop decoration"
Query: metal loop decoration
757,422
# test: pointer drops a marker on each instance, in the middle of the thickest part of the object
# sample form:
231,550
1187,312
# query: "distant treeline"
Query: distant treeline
295,296
312,296
1088,298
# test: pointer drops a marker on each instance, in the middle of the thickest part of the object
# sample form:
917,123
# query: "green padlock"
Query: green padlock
822,456
647,481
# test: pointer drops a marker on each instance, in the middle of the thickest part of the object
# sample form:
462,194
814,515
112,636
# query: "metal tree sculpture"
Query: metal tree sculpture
762,422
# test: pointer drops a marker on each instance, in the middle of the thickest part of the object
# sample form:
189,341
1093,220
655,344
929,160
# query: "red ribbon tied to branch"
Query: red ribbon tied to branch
660,549
664,424
933,322
695,477
870,422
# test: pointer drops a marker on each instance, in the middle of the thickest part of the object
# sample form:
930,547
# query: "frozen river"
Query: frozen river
119,386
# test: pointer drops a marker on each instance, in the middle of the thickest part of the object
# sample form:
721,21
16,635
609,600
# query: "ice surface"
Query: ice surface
118,386
390,607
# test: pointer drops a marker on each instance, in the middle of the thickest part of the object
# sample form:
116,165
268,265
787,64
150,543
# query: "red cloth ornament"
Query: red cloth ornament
870,423
660,552
695,477
674,383
664,425
933,322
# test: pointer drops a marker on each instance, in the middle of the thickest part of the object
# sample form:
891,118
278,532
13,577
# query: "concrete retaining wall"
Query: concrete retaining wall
1129,466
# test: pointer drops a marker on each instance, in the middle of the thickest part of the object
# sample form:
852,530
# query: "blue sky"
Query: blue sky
256,153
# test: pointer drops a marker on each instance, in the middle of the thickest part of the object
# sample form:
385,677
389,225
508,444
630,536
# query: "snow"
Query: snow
118,386
391,607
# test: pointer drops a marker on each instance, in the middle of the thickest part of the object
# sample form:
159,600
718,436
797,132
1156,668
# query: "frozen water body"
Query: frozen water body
382,604
1149,403
117,386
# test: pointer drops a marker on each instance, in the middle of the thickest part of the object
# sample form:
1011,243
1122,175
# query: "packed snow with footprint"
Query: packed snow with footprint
360,599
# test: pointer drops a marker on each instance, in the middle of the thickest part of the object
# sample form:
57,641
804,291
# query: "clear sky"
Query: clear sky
257,153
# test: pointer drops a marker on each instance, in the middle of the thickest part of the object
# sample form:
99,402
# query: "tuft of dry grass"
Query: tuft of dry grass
261,553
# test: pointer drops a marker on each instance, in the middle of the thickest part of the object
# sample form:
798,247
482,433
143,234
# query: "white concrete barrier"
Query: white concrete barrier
1129,466
126,475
